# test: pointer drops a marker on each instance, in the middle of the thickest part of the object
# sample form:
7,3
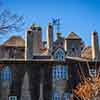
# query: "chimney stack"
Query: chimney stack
50,36
34,41
37,39
29,44
95,46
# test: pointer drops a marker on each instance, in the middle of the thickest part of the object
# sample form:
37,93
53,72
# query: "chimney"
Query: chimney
39,35
37,39
29,44
95,46
34,41
50,36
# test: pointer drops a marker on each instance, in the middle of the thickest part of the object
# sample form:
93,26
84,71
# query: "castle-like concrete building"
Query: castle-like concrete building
54,67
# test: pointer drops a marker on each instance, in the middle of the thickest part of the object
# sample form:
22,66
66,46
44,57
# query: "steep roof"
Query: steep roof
15,41
73,35
54,50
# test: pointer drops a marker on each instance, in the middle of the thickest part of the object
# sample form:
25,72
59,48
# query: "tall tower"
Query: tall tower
95,46
34,41
50,36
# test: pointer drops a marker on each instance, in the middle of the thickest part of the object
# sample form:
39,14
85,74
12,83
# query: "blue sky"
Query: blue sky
79,16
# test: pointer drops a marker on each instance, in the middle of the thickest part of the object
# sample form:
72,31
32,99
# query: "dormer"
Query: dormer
59,54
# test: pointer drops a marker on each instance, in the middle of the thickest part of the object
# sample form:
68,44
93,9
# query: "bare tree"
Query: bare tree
10,22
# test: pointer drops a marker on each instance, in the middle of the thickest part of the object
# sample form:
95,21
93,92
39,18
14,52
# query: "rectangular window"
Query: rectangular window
56,97
12,97
6,74
92,72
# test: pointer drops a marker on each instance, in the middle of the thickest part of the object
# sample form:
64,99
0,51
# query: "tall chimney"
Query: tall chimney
34,41
95,46
37,39
29,44
50,36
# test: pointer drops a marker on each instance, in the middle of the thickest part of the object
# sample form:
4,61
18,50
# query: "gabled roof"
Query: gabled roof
54,50
73,35
15,41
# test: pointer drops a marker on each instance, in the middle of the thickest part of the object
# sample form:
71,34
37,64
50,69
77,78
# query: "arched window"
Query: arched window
56,96
59,54
6,73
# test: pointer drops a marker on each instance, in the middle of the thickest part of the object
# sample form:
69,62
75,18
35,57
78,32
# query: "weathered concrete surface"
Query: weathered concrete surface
25,88
5,85
25,93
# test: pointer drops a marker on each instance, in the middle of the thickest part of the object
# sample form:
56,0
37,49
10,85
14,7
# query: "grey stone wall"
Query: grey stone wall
30,81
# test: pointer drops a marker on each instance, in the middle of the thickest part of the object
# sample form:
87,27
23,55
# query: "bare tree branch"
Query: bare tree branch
10,22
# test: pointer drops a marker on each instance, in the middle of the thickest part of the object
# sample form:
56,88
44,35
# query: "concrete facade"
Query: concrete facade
52,73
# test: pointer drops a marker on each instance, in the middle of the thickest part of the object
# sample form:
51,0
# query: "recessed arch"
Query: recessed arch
59,54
